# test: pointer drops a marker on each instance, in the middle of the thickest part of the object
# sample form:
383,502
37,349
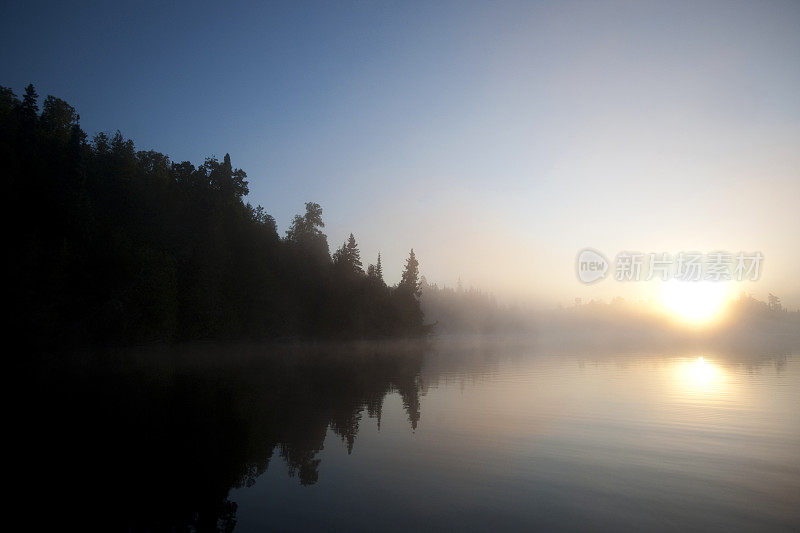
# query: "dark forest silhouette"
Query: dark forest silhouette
117,245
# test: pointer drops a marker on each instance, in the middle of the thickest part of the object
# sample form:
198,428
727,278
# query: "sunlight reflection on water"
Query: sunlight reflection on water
522,440
701,377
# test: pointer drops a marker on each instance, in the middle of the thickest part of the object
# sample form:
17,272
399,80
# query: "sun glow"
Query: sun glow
701,372
701,377
694,301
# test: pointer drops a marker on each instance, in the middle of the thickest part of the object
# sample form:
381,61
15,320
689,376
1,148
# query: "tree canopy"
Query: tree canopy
119,245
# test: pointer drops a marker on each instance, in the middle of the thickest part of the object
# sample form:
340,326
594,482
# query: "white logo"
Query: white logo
591,265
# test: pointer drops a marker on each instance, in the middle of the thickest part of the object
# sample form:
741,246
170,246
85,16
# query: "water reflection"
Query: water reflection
159,437
474,435
701,376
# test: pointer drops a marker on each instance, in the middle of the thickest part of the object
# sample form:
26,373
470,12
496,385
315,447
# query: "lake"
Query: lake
465,434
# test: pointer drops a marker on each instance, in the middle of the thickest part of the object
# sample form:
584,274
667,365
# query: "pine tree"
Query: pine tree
379,269
410,278
28,119
340,255
354,256
348,257
30,106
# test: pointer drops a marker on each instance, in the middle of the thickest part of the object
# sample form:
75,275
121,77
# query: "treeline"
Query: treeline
111,244
458,310
745,325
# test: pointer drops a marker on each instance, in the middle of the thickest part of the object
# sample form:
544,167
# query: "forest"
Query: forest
118,246
115,245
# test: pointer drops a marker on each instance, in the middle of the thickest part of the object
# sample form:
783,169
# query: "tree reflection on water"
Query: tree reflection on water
155,440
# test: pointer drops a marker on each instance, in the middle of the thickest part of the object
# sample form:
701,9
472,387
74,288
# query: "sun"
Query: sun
694,301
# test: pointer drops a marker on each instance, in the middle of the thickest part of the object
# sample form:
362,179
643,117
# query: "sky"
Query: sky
495,138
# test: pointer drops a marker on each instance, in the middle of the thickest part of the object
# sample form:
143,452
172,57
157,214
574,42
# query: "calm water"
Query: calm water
476,436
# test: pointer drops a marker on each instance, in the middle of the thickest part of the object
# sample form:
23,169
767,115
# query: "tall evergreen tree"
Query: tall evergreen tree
30,106
28,112
348,258
409,281
354,256
379,269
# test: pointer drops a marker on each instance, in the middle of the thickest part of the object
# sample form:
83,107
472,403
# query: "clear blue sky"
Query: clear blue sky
495,138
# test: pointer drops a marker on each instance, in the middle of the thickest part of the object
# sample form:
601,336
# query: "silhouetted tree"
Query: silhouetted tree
119,245
379,269
410,279
29,108
406,298
348,258
354,255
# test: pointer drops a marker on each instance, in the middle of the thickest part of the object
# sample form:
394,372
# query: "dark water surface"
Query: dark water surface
452,435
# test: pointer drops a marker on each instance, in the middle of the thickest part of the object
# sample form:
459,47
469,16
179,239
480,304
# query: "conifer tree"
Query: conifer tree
379,269
410,278
348,257
354,256
30,107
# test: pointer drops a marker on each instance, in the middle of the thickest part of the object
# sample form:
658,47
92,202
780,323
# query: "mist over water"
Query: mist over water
511,438
460,433
403,266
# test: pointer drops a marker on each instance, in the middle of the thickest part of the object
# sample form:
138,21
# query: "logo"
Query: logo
591,265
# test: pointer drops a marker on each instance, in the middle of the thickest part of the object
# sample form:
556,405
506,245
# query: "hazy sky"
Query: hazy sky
497,139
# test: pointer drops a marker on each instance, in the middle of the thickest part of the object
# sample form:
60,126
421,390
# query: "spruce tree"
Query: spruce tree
30,106
354,256
348,257
28,113
410,278
379,269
